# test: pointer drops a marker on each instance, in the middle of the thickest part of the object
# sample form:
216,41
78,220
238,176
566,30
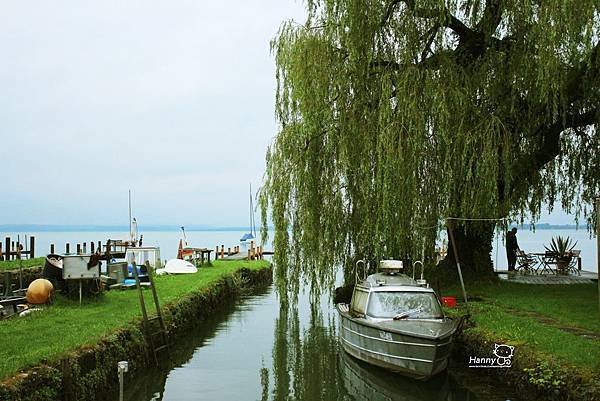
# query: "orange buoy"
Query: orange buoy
39,291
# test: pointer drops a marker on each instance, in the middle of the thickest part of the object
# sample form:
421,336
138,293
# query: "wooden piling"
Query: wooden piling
78,249
67,248
92,246
217,252
85,248
31,247
52,248
228,251
1,255
7,249
222,251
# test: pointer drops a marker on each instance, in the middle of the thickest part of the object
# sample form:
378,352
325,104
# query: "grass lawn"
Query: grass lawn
550,319
14,264
65,325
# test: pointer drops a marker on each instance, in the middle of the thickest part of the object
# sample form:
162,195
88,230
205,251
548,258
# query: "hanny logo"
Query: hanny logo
502,358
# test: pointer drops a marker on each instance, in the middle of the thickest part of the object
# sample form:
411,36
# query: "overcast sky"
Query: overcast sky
173,99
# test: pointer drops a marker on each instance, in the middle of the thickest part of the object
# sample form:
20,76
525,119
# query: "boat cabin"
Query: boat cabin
384,296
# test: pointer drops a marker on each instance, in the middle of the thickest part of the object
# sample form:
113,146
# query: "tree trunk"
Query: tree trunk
474,247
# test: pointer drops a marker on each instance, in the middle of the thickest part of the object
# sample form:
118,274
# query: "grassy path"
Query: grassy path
65,326
559,322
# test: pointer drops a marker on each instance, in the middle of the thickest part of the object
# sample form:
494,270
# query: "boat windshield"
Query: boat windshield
409,305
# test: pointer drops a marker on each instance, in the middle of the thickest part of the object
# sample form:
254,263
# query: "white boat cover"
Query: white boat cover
178,266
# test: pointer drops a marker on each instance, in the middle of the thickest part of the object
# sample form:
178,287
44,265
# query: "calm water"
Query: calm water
255,350
168,242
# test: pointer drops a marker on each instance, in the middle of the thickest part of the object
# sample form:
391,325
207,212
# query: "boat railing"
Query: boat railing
361,275
421,280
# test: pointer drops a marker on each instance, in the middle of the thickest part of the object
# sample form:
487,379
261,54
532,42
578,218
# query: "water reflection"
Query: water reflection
256,350
309,364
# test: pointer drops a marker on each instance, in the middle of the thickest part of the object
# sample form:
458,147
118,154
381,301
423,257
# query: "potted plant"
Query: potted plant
561,249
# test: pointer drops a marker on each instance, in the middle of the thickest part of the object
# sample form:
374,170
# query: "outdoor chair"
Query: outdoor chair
525,262
573,264
549,264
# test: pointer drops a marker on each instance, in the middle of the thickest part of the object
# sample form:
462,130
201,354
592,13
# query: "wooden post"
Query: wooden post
7,249
249,255
222,251
78,249
52,248
85,247
217,252
100,246
92,246
1,256
67,248
228,251
31,247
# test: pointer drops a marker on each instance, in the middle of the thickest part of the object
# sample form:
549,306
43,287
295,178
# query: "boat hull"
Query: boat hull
418,357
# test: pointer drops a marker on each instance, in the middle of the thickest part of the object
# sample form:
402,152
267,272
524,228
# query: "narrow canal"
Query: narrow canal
254,350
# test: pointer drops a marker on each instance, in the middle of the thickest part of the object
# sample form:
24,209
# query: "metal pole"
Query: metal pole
598,247
130,213
122,367
449,223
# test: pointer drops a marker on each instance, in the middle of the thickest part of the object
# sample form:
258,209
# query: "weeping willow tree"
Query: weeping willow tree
395,114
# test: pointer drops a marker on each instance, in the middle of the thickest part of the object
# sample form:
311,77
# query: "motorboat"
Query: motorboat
396,322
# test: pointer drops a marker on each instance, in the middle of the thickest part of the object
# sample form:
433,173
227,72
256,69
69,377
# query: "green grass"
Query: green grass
65,326
14,264
555,344
539,317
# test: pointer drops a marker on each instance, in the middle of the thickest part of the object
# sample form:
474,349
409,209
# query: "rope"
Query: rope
469,219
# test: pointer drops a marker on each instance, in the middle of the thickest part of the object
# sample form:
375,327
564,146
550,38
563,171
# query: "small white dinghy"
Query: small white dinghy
178,266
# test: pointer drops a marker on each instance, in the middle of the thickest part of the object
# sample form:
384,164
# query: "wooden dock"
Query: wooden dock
585,277
14,249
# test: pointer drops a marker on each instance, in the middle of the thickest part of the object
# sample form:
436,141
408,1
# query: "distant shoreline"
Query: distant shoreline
109,228
169,228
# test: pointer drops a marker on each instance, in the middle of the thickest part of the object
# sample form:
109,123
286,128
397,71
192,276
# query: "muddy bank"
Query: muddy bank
531,375
90,373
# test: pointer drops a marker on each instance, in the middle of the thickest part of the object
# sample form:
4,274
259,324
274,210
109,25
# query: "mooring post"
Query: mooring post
52,248
222,251
78,249
1,256
217,252
85,247
92,246
31,247
228,251
122,368
7,249
67,248
249,254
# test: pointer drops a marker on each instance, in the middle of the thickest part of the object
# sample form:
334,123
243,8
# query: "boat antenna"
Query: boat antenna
252,226
129,191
